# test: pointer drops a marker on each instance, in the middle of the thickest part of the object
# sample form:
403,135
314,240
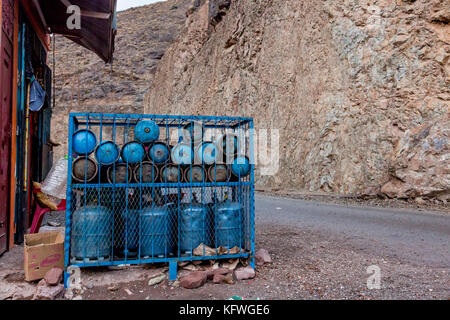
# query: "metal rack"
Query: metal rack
115,223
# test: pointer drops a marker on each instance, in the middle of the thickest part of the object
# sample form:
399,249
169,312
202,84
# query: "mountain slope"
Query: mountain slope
85,84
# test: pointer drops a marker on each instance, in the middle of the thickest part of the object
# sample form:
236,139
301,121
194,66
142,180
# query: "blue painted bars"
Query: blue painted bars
140,207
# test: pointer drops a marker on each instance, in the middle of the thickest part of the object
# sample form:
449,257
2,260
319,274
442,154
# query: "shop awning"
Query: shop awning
97,28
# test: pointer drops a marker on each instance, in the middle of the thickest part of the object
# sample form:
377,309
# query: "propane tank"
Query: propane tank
84,142
119,173
107,153
146,131
84,169
146,173
241,167
219,173
171,174
133,152
158,231
228,224
195,222
182,154
195,174
159,152
91,233
228,144
206,153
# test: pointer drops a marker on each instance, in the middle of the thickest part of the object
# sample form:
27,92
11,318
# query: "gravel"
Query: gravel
308,264
318,251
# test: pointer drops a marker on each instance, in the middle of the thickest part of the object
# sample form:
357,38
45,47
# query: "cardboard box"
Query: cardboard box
42,251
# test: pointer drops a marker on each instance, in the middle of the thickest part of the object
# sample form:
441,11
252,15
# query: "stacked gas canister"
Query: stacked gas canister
157,228
147,160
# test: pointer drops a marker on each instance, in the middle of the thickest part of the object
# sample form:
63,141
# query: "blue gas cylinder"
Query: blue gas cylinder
84,142
107,153
182,154
146,172
195,174
158,232
159,153
171,174
119,173
146,131
228,143
219,173
84,169
195,226
207,153
133,152
129,238
241,167
228,224
91,233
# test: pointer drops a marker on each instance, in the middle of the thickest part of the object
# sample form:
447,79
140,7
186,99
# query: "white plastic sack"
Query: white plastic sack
55,184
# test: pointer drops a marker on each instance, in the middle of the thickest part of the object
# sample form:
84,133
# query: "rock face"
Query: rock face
347,84
421,162
85,84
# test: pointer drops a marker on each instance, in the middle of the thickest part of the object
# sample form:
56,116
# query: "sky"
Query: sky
126,4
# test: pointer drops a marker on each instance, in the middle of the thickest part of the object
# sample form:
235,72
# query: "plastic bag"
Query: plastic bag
55,184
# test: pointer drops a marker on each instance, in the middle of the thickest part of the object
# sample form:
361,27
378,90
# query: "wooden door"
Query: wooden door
6,60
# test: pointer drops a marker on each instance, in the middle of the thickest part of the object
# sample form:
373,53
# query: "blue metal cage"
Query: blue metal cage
196,203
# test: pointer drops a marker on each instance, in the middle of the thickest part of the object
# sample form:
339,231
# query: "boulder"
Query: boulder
244,273
229,278
223,278
23,296
194,280
419,166
209,274
45,292
420,201
221,271
371,192
218,278
54,276
262,257
156,280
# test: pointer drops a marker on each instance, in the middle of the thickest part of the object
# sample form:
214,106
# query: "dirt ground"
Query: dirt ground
306,265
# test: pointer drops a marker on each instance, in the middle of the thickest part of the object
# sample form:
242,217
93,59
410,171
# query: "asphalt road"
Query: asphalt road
420,238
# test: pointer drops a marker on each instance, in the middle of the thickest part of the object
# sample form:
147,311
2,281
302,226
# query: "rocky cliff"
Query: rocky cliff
360,90
85,84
